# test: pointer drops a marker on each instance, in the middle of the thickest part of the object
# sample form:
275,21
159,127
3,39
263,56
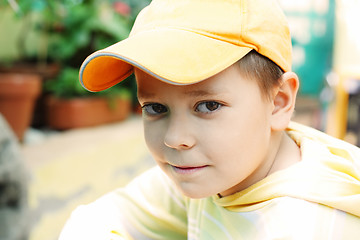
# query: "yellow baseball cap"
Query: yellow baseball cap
187,41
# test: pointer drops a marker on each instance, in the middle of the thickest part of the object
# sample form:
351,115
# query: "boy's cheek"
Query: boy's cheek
153,140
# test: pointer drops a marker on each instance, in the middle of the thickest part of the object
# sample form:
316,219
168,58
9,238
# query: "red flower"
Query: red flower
122,8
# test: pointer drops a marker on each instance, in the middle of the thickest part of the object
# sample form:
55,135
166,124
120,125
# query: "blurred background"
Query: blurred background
61,146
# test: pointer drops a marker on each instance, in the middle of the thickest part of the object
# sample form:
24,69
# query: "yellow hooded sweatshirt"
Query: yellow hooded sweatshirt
316,198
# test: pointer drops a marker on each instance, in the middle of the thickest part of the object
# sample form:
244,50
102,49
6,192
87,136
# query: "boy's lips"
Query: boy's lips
188,169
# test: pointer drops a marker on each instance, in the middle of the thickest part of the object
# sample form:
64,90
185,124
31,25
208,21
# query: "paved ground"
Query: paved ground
76,167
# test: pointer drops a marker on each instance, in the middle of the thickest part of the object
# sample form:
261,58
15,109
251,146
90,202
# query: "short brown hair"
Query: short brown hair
263,70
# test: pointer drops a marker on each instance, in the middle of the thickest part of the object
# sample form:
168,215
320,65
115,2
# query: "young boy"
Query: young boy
215,84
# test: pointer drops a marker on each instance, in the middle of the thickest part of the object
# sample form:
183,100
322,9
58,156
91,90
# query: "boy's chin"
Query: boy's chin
196,194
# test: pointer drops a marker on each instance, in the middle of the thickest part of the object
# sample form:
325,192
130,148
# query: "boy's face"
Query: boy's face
210,137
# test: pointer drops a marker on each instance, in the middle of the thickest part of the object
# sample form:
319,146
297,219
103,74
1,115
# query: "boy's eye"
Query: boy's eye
208,107
154,109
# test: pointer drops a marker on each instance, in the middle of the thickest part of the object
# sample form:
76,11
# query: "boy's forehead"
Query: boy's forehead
149,86
145,80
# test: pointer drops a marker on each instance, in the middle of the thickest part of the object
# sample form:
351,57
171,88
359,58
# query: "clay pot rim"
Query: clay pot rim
18,84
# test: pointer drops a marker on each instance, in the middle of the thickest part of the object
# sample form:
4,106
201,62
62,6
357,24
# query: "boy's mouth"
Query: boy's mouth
187,169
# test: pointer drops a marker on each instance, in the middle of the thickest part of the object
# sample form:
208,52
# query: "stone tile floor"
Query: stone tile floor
76,167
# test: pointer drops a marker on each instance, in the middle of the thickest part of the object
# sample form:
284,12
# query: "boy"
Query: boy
215,84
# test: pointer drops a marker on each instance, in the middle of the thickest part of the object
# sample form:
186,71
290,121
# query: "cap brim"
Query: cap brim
171,55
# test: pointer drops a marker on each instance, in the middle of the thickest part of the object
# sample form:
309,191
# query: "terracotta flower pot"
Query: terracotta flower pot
65,114
18,93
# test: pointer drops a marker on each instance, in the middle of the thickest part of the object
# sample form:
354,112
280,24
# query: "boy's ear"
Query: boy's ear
284,101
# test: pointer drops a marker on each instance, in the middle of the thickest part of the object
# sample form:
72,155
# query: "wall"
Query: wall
11,30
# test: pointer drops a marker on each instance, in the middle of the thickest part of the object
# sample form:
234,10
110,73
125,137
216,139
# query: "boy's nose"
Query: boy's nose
179,135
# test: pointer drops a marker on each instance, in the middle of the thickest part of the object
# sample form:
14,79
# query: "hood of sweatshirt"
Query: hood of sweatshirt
328,174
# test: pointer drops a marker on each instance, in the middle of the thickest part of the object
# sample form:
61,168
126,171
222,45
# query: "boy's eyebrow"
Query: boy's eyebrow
192,93
143,94
199,93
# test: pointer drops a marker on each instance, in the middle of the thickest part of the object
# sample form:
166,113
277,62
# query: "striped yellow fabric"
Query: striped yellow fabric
317,198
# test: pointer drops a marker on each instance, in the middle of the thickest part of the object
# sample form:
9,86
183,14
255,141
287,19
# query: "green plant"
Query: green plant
77,28
89,25
73,29
82,27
